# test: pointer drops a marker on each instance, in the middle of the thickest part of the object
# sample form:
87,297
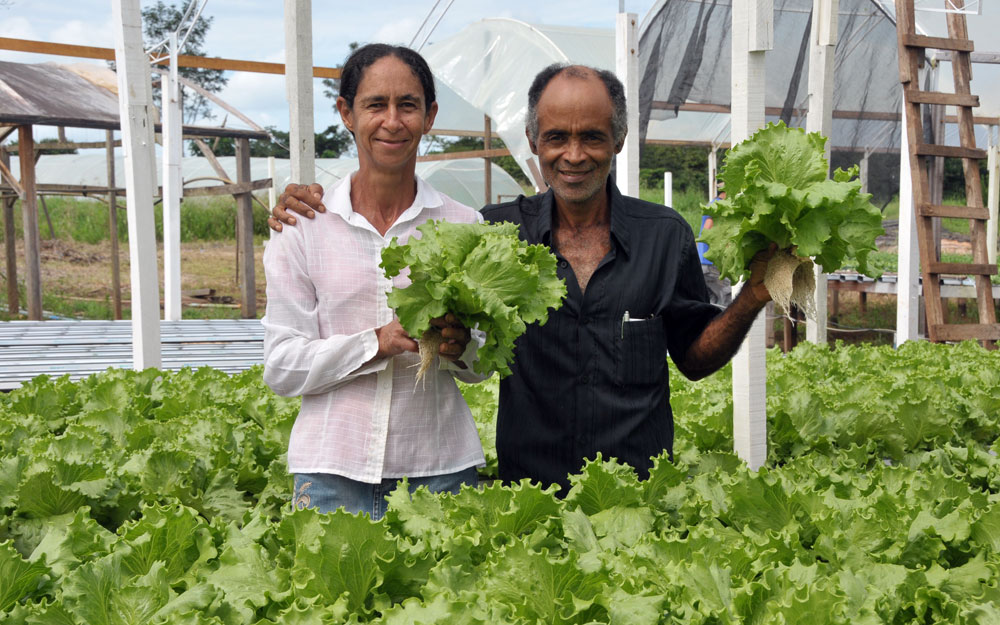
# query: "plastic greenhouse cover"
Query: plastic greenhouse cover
696,37
460,179
491,64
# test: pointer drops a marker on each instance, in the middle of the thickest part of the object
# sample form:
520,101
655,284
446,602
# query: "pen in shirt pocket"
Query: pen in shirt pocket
626,318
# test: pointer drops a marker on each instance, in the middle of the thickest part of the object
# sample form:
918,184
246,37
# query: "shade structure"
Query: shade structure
460,179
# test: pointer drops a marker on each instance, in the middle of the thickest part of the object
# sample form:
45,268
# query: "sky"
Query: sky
253,30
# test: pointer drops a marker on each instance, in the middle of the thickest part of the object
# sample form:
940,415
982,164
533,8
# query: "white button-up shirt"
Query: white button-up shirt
326,295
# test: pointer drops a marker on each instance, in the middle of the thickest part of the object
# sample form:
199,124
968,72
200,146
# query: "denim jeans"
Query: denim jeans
326,491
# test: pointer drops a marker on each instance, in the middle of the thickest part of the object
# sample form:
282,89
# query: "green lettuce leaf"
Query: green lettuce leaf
778,191
482,273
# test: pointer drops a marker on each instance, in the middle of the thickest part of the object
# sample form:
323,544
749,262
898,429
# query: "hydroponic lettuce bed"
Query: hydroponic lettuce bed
162,498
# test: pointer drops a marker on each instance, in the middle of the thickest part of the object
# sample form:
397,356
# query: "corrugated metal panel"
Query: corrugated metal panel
82,348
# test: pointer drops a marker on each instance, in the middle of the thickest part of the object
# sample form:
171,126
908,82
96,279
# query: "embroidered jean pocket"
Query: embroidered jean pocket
302,498
642,352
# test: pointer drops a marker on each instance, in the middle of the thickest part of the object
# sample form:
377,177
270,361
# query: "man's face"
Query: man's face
575,143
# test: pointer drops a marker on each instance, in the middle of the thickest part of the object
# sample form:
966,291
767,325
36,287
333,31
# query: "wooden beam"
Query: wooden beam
136,106
212,160
10,245
183,60
229,189
220,102
454,156
116,277
9,177
244,233
29,225
773,111
64,145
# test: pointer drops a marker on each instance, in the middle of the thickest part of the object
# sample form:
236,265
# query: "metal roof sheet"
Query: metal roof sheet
82,348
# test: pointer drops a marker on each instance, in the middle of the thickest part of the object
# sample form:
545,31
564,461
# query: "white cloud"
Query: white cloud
84,33
399,31
17,28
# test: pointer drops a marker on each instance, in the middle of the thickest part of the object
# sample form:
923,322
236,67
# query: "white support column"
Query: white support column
992,198
668,189
272,192
627,69
136,107
299,87
822,46
713,174
753,35
908,263
172,188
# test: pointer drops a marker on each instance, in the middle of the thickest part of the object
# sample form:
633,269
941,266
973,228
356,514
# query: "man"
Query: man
720,292
593,379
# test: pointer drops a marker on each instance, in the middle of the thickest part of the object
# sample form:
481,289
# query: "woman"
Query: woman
329,335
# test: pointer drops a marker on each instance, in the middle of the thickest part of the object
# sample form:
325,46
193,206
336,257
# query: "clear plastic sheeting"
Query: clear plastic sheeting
685,56
460,179
491,64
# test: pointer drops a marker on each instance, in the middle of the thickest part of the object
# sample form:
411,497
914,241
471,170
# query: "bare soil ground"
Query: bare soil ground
75,270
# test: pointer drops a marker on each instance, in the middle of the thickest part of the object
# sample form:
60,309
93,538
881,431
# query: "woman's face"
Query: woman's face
389,115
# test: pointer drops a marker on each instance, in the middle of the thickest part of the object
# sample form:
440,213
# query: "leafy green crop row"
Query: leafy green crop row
161,498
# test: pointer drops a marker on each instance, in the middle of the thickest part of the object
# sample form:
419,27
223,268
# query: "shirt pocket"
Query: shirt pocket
642,352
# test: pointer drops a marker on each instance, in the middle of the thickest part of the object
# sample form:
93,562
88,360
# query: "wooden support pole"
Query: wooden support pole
862,303
172,155
627,69
29,224
993,198
753,35
820,119
136,107
488,172
48,218
788,338
116,274
10,245
244,232
299,88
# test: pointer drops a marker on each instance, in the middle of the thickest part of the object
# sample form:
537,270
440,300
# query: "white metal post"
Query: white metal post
668,189
992,198
272,192
908,255
713,174
627,69
753,35
136,106
820,119
299,87
172,188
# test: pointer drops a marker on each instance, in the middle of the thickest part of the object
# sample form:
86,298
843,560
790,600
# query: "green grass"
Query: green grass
73,308
76,219
687,203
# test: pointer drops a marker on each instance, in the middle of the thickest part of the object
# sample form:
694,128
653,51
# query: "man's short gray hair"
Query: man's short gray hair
619,116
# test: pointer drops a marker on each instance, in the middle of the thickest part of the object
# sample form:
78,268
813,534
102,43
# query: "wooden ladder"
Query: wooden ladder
911,56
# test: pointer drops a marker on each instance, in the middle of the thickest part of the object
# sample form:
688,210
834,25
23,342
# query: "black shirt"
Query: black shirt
594,377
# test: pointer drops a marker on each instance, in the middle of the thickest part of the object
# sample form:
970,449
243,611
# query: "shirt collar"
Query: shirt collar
619,217
338,200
